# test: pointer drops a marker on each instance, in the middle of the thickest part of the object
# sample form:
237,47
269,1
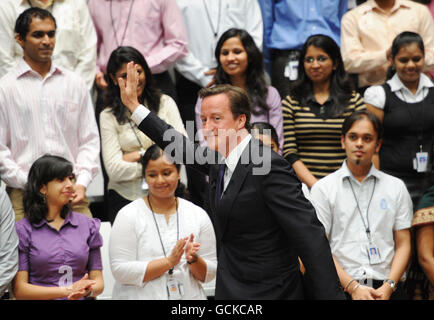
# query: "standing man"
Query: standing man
367,215
287,25
154,27
261,218
44,108
369,29
76,46
205,22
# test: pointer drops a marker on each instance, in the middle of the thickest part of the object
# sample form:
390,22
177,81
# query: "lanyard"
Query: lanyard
367,229
420,136
135,133
216,30
126,26
158,229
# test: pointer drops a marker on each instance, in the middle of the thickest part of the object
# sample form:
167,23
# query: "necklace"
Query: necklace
216,30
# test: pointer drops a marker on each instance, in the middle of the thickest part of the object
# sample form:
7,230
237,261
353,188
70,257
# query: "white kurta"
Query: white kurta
134,242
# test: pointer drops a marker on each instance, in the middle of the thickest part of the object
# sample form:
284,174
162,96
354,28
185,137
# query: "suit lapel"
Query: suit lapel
223,211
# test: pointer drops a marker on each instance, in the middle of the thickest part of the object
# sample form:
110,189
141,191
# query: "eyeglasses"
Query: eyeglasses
320,59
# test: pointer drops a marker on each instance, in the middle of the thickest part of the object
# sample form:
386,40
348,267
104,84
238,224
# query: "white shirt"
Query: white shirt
200,26
8,242
376,96
233,158
391,209
134,242
117,139
75,47
53,115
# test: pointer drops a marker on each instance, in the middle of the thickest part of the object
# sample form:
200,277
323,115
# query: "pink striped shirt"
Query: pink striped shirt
53,115
155,28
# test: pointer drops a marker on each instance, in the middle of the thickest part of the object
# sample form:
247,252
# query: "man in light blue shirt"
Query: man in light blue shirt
287,25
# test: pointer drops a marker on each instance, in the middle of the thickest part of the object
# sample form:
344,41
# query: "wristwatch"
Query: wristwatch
141,152
392,283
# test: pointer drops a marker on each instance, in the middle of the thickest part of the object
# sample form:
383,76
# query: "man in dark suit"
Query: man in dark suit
262,221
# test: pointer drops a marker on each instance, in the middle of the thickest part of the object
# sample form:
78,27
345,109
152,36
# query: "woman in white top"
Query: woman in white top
162,246
122,142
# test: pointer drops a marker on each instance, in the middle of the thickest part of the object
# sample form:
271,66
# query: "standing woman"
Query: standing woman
405,104
59,249
241,64
319,101
162,246
122,142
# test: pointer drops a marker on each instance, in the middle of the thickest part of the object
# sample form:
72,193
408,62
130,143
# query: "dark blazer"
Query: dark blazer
263,223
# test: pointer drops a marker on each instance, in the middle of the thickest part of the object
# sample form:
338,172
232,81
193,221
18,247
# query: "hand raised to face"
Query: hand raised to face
128,88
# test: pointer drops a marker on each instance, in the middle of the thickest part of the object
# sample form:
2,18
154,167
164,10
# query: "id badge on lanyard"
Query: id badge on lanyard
175,289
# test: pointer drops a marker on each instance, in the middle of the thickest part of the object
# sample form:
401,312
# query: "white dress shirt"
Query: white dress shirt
202,20
376,96
117,139
134,242
53,115
390,210
75,47
8,242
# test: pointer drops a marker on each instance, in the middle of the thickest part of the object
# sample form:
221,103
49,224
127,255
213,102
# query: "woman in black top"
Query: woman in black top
405,104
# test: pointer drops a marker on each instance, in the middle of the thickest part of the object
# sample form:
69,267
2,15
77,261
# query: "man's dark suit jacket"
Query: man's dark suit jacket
263,223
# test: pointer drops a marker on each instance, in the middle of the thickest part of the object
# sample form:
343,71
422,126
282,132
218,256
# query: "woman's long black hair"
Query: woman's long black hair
42,171
112,97
341,87
256,84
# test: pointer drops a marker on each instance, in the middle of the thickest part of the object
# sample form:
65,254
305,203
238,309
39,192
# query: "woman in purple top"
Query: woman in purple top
241,63
59,250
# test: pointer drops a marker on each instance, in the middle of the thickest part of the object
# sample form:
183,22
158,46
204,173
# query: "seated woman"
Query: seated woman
162,246
313,113
122,143
59,249
405,104
241,63
266,133
423,226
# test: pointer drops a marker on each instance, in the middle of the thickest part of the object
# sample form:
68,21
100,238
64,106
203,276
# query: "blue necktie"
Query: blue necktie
220,184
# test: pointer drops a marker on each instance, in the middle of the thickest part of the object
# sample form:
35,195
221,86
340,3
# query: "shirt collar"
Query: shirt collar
311,99
397,85
371,5
23,68
70,218
346,173
233,157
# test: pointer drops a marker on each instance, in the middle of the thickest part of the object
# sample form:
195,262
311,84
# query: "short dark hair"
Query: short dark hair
360,115
238,98
22,24
42,171
262,126
154,152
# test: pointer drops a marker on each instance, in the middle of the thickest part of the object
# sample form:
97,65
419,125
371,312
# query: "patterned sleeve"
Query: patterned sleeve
290,147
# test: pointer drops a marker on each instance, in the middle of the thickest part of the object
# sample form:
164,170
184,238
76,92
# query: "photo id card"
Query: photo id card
174,289
422,161
373,253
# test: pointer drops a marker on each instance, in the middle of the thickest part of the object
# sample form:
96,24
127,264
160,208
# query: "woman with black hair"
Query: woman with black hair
161,245
405,104
59,249
122,142
313,113
241,63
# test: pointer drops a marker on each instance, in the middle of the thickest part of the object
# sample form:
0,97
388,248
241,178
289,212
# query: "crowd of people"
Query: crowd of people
303,129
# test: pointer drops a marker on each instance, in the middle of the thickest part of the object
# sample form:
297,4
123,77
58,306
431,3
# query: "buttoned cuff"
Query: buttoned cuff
140,114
